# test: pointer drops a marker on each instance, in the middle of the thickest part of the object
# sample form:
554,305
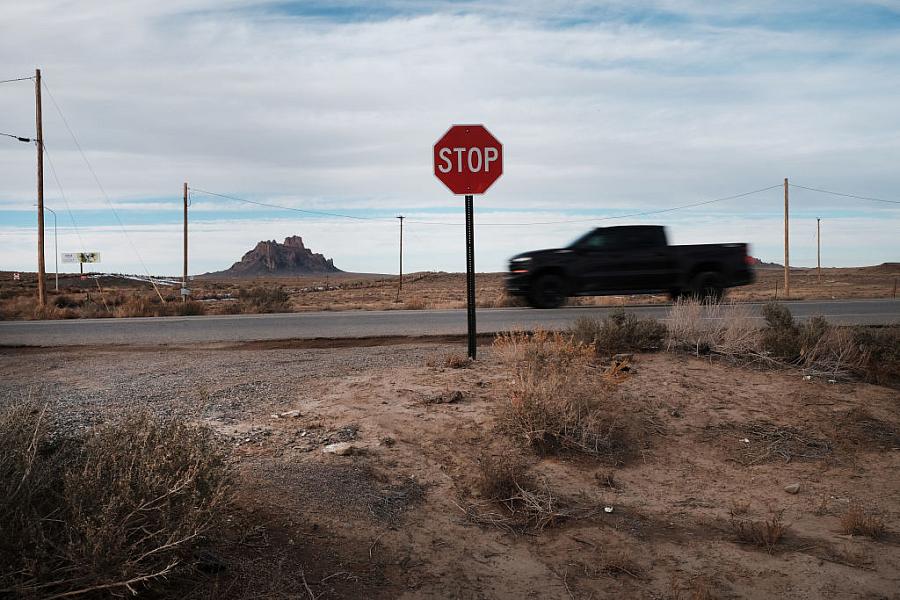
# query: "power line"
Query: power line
626,216
812,189
102,190
422,222
17,79
300,210
65,199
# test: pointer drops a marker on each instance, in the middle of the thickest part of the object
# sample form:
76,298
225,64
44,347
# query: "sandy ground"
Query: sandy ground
388,522
346,291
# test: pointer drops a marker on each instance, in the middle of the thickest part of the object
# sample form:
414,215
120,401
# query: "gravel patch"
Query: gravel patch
85,388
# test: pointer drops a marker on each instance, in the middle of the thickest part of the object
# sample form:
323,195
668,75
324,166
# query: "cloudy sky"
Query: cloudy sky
604,108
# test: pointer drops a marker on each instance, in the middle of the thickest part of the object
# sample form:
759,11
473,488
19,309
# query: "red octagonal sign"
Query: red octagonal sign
468,159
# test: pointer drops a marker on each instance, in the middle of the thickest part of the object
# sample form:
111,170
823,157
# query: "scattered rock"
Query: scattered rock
447,398
341,449
346,433
792,488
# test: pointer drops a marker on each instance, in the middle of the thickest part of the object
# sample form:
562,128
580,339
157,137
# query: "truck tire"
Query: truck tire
707,287
547,291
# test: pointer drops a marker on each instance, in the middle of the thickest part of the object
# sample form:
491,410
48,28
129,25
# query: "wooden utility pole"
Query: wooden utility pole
184,281
39,129
787,254
819,248
400,288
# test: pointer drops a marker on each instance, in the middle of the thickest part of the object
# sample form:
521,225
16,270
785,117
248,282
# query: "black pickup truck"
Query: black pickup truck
627,260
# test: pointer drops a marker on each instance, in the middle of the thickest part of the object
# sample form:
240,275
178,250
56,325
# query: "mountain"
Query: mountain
274,259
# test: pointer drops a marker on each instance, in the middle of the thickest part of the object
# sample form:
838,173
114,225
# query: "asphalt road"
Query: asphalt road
360,324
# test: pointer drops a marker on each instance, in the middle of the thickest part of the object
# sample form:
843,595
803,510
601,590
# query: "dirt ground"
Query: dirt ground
390,519
109,296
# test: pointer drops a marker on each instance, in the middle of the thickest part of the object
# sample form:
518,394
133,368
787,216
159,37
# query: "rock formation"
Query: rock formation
272,258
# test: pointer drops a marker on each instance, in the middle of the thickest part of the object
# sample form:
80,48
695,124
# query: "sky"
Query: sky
604,109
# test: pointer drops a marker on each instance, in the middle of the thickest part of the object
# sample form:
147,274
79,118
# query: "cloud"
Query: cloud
334,106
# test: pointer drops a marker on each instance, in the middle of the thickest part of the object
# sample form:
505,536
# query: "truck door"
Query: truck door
601,262
650,264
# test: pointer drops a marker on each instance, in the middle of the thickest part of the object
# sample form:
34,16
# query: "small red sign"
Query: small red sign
468,159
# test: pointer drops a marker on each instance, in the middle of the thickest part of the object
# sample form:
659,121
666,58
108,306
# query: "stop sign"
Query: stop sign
468,159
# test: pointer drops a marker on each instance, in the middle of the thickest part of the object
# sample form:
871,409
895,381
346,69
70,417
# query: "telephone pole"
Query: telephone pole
39,134
819,248
184,284
787,255
400,288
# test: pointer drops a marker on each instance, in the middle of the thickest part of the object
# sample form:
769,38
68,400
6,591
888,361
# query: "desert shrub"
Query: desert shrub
414,304
781,337
524,505
266,299
722,328
139,305
110,512
189,308
879,353
856,521
788,341
619,332
453,360
500,477
232,308
64,301
695,588
764,534
557,400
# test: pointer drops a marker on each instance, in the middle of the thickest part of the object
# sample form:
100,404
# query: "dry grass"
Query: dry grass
265,299
512,500
697,588
454,360
859,428
763,534
768,442
856,521
729,328
414,304
560,400
620,562
112,512
879,349
817,347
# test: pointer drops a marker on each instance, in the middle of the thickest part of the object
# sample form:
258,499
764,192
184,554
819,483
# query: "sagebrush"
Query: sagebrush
559,400
112,512
619,332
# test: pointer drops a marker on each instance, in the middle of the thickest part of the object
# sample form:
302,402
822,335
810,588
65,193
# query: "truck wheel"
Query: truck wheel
707,287
548,291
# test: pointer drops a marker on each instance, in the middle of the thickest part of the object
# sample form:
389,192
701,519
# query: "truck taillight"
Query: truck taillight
748,258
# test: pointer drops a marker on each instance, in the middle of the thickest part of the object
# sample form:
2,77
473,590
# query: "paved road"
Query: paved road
239,328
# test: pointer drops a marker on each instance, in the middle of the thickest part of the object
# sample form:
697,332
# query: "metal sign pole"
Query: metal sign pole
470,273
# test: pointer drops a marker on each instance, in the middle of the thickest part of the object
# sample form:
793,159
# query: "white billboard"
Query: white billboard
81,257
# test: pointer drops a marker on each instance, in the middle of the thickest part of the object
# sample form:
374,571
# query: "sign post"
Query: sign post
468,159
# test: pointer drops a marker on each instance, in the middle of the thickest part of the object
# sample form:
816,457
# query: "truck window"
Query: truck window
644,237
